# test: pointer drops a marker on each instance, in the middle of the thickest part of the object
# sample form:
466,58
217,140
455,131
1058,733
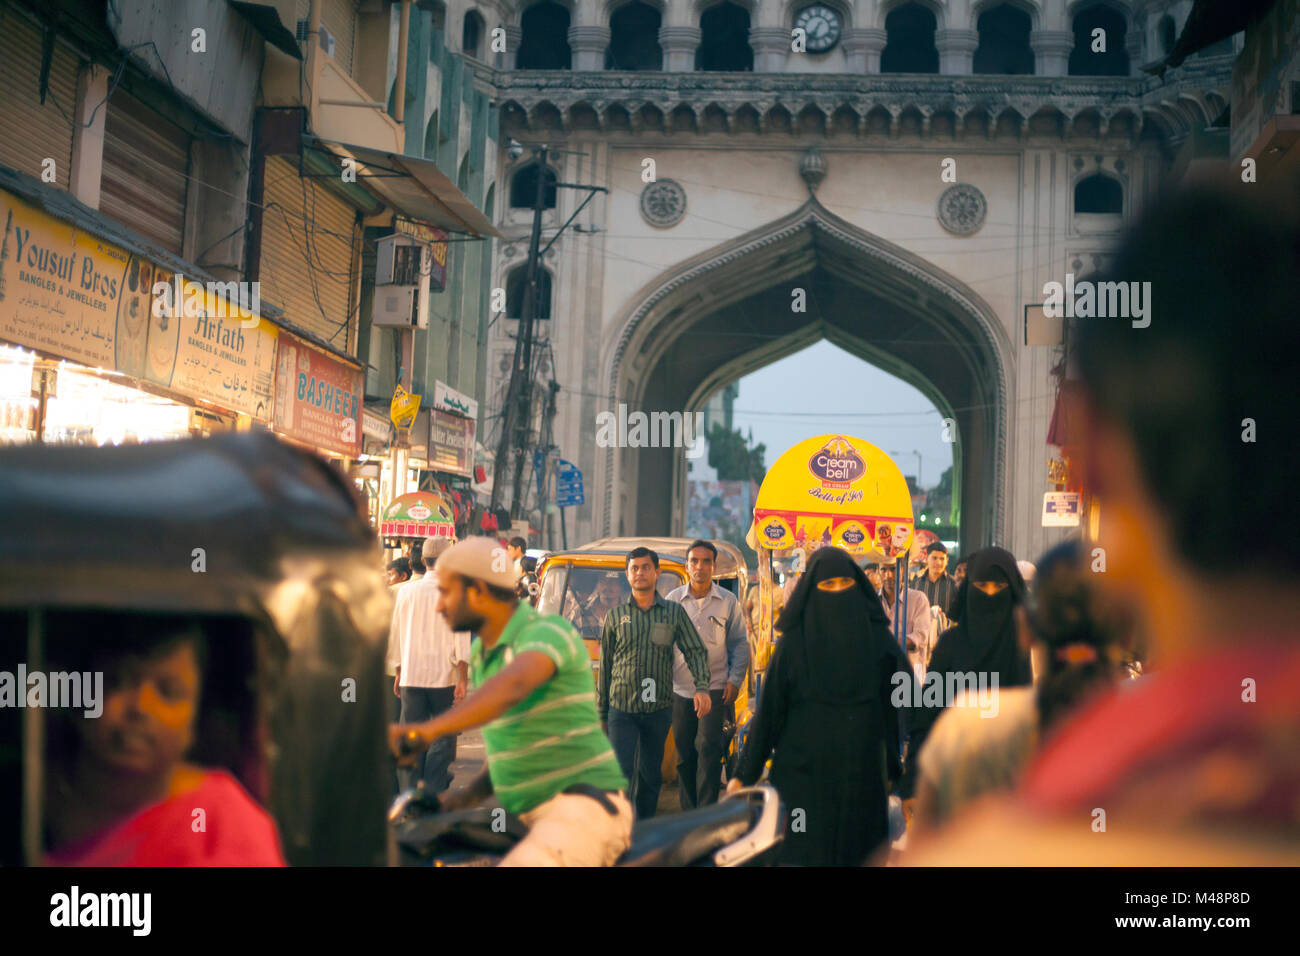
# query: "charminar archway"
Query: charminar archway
729,311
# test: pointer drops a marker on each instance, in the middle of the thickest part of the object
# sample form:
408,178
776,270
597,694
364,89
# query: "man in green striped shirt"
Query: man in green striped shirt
548,760
635,698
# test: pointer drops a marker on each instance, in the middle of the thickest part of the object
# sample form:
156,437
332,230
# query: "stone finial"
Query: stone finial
813,169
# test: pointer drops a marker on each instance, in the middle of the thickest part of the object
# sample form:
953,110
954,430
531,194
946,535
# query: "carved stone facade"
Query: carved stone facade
829,178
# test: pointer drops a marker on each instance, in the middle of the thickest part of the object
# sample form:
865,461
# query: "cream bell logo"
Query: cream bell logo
837,464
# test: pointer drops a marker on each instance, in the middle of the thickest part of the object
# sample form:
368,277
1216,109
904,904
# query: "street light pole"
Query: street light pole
517,413
521,370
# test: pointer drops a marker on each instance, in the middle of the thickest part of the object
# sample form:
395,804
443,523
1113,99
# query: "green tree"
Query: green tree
730,453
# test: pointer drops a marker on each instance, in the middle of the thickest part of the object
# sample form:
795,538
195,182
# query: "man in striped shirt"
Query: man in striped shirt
635,698
548,761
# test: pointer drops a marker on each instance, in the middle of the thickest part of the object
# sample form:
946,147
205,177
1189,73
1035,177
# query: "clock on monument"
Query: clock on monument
821,27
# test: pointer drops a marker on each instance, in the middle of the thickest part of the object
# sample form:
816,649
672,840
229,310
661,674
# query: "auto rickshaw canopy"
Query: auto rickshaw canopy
239,526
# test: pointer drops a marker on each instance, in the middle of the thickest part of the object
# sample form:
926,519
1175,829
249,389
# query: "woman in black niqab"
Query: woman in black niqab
984,641
826,716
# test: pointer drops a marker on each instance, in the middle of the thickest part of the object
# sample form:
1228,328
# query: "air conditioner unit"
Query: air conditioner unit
402,267
326,38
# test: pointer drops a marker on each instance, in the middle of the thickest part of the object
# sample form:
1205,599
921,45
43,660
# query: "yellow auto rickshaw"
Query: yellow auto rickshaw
577,584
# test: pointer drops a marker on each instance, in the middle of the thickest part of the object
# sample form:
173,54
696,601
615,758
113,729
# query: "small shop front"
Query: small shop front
104,339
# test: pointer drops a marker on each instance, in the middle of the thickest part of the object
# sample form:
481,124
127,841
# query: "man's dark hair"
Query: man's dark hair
519,543
1195,387
936,546
504,595
701,543
641,553
401,565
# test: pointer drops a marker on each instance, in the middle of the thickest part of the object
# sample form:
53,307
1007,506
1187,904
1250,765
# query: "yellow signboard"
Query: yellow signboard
66,292
404,408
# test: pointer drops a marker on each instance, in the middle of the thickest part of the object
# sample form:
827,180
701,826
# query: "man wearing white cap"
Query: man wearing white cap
533,695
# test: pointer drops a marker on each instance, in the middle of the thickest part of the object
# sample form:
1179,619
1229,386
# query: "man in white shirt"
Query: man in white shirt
432,673
720,621
919,623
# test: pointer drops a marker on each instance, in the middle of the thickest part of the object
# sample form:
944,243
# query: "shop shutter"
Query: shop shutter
339,17
146,171
29,131
307,243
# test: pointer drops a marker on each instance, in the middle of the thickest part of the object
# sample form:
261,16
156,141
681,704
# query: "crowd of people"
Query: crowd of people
995,711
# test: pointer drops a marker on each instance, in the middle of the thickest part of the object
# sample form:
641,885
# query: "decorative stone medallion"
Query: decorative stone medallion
663,203
962,209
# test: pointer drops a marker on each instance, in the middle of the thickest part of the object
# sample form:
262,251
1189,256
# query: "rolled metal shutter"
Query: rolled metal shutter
146,171
29,131
339,17
306,264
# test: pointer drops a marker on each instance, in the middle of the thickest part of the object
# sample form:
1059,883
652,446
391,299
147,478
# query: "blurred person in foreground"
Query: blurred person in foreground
970,753
825,716
984,650
1186,440
123,788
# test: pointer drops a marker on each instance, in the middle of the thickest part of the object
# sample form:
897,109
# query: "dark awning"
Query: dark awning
1209,22
415,187
266,20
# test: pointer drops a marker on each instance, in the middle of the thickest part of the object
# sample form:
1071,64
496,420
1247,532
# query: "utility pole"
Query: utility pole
517,416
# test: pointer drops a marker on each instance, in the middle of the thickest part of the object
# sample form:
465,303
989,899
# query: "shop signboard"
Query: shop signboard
404,408
1061,509
450,400
318,398
203,351
65,292
451,443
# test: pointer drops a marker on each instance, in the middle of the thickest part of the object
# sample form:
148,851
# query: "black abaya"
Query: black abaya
985,641
825,711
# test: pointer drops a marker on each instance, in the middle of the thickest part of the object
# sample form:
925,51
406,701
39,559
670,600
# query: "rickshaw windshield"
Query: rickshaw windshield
584,595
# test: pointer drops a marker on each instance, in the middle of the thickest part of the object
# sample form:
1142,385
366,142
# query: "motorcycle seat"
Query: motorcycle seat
684,838
462,830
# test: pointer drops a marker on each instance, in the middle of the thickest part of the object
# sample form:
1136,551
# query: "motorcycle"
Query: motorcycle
744,828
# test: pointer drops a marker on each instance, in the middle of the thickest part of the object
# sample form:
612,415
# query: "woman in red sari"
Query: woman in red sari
123,794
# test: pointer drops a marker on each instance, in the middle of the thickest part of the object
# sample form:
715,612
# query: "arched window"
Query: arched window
471,34
1113,60
1098,194
523,188
724,39
517,285
463,174
431,137
634,38
910,45
1168,34
545,41
1004,41
435,7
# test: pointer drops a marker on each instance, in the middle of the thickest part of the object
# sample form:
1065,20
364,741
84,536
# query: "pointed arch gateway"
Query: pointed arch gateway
727,311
